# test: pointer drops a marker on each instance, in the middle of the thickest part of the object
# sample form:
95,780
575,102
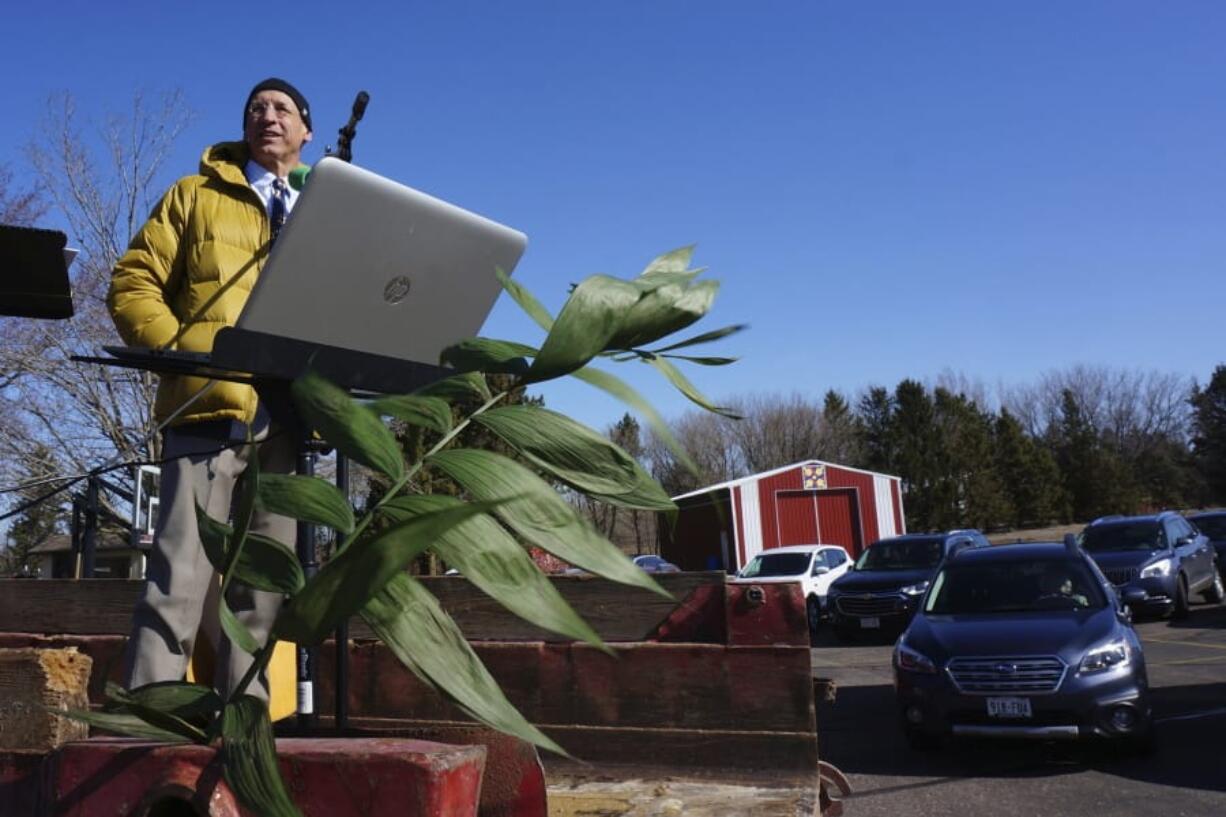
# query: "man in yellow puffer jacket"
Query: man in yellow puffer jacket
187,274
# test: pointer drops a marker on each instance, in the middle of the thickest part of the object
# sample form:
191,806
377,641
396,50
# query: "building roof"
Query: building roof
62,543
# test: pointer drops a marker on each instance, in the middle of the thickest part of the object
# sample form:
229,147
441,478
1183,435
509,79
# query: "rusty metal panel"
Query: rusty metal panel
364,777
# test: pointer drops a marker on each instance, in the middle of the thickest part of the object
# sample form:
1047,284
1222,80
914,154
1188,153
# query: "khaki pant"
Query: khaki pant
181,585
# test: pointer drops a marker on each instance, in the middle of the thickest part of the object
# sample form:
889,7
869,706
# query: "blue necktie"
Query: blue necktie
279,208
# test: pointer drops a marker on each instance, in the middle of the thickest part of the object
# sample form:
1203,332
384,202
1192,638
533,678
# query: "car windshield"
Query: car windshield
1011,587
915,554
1133,536
1212,526
776,564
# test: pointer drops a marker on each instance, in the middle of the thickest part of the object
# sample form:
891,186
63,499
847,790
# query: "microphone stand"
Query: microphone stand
307,552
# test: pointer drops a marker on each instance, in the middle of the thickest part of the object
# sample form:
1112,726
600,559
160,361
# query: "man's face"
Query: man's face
274,130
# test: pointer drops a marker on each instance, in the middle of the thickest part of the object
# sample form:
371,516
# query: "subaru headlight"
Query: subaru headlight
1108,656
917,589
911,660
1162,567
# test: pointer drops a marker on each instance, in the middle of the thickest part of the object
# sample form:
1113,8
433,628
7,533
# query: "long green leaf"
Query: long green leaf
687,388
352,428
488,355
677,260
235,630
463,386
343,585
306,498
426,640
618,388
703,361
122,723
536,512
249,758
153,710
428,412
215,537
662,311
576,455
590,318
705,337
526,300
491,559
264,563
248,489
175,697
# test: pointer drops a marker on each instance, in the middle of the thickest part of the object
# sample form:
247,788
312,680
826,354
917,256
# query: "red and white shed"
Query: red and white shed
726,525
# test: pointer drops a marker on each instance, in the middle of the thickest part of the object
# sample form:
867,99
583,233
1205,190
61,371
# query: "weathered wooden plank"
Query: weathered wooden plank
34,685
104,606
665,686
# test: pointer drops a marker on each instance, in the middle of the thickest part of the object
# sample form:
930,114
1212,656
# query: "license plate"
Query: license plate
1009,708
870,623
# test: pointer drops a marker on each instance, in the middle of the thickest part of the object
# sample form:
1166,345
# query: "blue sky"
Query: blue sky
885,189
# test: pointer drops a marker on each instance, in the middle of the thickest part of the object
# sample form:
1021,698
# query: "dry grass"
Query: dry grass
1052,534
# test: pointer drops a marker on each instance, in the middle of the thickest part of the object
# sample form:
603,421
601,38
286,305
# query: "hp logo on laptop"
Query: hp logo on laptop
397,289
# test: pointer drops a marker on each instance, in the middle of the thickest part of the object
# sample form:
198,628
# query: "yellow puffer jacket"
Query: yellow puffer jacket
207,231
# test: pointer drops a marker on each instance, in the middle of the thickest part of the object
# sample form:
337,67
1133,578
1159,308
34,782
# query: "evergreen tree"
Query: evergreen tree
969,491
1096,480
840,432
1209,435
35,524
1029,474
913,441
875,415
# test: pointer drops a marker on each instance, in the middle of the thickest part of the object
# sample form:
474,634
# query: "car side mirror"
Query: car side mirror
820,570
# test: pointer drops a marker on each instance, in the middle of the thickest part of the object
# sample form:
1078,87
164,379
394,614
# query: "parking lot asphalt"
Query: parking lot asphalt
1185,777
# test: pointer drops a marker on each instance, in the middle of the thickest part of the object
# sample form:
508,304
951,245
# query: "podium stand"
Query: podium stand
270,364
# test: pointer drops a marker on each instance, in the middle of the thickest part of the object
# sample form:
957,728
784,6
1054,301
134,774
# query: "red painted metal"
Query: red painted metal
797,519
105,777
20,783
766,614
700,618
839,511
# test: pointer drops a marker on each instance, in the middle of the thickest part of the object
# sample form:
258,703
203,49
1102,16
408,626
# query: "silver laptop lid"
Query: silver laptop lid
367,264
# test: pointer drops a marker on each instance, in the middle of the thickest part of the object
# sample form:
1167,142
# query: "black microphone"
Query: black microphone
343,149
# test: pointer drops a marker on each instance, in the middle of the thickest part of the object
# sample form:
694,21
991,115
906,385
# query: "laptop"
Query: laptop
367,283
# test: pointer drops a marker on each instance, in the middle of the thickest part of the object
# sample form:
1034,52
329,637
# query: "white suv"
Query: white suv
814,566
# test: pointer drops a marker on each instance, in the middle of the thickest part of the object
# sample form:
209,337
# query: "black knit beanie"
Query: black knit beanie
275,84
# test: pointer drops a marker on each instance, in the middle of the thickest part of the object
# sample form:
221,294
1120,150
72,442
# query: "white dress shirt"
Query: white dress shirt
261,179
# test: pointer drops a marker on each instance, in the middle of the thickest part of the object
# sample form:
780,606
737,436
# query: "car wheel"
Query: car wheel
1182,605
1215,593
1143,744
814,609
921,741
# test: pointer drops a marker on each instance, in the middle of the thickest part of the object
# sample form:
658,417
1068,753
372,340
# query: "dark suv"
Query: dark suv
1024,641
883,587
1162,554
1213,525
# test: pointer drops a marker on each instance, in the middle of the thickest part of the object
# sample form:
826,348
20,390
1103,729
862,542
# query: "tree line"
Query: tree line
1079,443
